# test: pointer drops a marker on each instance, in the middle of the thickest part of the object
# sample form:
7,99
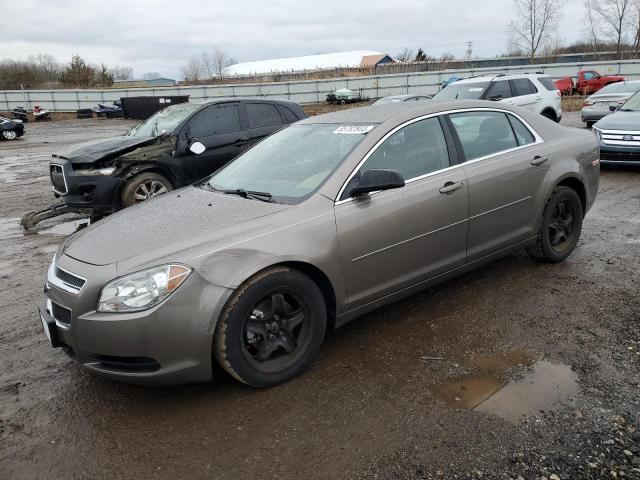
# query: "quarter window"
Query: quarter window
483,133
215,120
523,86
263,115
289,116
417,149
547,83
523,134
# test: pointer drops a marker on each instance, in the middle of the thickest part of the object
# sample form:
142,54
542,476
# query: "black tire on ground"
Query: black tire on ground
142,187
559,227
589,124
271,328
549,115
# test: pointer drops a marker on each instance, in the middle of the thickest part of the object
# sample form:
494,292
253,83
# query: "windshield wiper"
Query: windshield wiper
262,196
626,110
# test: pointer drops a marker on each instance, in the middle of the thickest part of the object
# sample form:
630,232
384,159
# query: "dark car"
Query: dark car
10,129
173,148
619,134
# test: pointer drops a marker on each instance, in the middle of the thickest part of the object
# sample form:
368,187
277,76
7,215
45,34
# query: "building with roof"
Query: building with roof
325,61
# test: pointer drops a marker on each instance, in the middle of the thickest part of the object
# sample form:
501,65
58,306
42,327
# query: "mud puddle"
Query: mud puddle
543,385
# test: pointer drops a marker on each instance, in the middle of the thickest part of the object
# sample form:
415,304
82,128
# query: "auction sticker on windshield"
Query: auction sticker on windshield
353,129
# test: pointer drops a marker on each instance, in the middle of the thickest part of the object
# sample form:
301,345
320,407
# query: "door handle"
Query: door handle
240,142
537,160
451,187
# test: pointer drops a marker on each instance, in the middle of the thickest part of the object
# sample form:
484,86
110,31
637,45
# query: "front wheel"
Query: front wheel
272,328
560,226
9,135
144,186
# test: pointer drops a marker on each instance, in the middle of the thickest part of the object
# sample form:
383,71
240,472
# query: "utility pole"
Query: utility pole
469,51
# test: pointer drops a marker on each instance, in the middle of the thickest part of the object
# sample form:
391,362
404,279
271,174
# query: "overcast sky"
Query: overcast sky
161,35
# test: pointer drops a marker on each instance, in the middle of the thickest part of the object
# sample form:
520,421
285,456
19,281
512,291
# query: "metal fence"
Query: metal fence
306,91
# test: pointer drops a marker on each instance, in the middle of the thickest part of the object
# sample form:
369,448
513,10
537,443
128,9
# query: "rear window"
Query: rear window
523,86
547,83
263,115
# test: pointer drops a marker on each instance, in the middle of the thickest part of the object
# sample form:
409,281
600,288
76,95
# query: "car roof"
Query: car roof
376,114
243,99
497,77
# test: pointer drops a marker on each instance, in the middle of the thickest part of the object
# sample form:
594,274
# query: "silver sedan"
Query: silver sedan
606,100
320,223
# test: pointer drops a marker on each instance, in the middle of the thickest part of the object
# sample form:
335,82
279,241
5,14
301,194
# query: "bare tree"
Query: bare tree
121,72
192,71
535,21
592,24
635,25
406,55
613,17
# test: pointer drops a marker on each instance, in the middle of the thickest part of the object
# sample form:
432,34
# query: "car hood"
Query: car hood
620,121
89,152
167,224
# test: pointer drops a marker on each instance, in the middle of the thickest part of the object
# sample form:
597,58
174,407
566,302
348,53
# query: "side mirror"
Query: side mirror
613,108
495,98
197,148
377,179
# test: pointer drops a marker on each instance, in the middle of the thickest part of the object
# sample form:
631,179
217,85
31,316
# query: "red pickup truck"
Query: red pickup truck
589,81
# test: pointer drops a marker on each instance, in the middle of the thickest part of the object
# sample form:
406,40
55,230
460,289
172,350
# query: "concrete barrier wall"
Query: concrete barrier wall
307,91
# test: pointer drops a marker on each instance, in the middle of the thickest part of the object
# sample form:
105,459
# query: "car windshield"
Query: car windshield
164,121
290,164
632,105
462,90
620,87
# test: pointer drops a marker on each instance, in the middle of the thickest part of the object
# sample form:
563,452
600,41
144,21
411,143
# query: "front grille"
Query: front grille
69,278
620,156
60,313
620,138
57,178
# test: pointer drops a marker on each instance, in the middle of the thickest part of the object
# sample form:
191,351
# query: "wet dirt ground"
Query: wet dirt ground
517,370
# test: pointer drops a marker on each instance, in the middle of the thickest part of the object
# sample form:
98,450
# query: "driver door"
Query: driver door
392,239
219,129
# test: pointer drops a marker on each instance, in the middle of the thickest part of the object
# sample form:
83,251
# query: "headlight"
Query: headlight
141,290
96,171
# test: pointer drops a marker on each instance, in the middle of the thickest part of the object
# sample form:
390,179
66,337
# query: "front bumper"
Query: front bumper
84,192
623,156
168,344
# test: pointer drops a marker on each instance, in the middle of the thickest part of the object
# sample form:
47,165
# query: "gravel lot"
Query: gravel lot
516,370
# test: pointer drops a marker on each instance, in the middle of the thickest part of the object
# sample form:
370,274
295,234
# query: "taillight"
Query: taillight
587,103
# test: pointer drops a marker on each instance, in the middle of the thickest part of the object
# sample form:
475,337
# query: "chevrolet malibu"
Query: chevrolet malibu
322,222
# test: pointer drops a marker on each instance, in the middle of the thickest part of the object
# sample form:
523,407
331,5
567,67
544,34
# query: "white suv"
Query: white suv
535,91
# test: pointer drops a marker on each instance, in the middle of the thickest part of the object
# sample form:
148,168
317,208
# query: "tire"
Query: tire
559,227
272,328
9,135
549,115
589,124
142,187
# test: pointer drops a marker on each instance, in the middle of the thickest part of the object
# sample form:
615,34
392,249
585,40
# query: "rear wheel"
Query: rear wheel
560,226
550,115
144,186
272,328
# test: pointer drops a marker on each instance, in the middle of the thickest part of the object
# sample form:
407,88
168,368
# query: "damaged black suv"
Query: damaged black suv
173,148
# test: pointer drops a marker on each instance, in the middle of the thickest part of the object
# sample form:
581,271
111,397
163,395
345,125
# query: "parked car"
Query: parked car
343,96
10,129
599,104
173,148
535,92
402,98
619,134
588,82
323,221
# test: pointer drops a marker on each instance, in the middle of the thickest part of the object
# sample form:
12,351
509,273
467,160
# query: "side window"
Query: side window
499,90
522,86
289,116
483,133
215,120
417,149
590,75
523,134
263,115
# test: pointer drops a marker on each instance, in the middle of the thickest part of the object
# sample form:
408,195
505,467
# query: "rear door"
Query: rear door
392,239
264,119
219,129
525,94
506,166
